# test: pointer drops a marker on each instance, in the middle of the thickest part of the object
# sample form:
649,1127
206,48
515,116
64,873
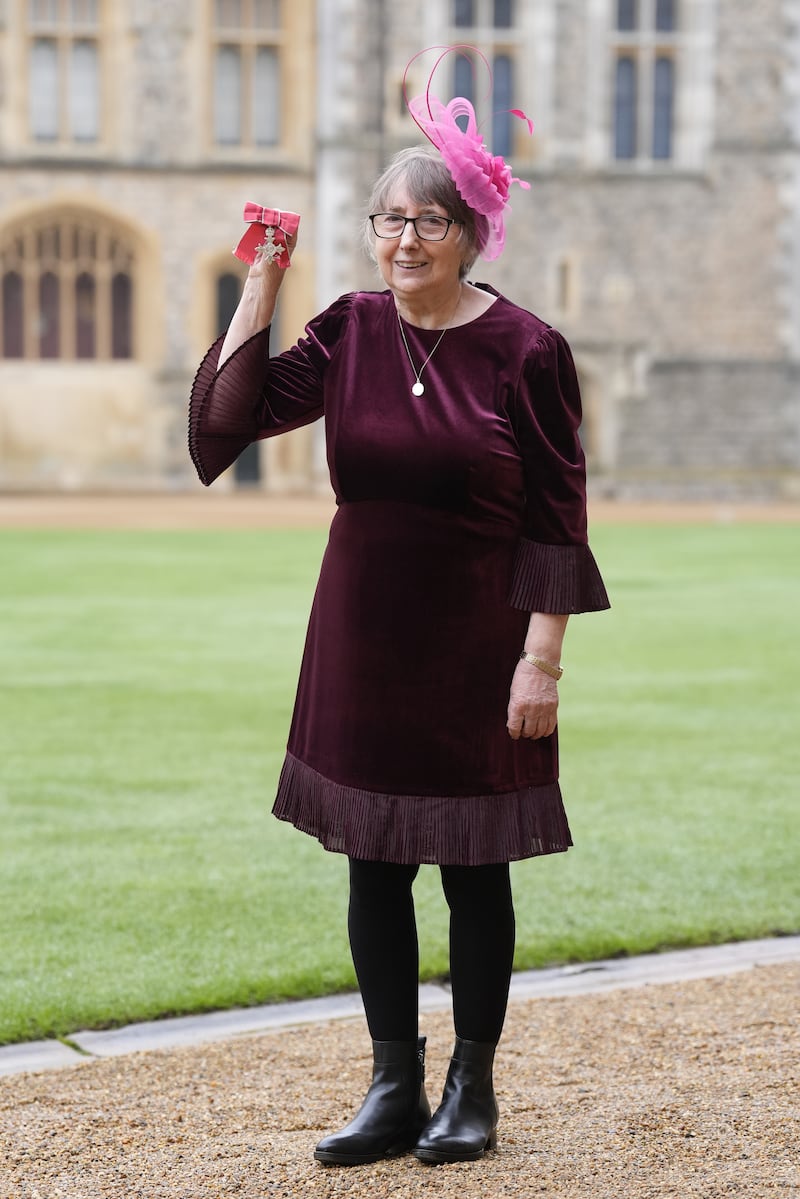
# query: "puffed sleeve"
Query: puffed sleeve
554,569
254,396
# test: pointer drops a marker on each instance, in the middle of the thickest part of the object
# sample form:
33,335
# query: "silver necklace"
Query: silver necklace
418,388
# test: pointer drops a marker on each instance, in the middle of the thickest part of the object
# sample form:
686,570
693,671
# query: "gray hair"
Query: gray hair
427,180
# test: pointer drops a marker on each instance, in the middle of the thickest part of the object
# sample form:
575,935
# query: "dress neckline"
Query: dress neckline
484,287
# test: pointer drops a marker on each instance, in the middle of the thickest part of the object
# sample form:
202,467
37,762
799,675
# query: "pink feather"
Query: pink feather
483,180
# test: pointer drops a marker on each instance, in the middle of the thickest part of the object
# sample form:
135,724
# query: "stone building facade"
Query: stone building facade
661,233
131,134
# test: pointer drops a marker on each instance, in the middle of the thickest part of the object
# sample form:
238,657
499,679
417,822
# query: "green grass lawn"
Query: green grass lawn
147,685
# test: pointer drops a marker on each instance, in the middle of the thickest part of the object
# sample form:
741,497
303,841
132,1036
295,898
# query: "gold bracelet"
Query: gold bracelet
555,672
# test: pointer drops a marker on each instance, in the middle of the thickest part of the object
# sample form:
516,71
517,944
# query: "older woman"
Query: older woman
424,729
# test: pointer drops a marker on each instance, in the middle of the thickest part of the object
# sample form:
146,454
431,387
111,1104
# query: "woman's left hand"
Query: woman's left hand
533,704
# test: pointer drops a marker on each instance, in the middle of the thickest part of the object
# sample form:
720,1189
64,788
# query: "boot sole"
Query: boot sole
330,1158
440,1157
432,1158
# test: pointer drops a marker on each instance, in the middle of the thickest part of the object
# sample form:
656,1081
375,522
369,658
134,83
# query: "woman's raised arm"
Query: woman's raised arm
256,307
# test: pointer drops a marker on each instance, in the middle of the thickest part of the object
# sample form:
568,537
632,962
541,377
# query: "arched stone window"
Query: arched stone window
67,290
646,40
493,30
64,69
247,67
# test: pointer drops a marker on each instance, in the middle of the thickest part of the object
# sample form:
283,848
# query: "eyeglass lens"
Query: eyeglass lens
429,228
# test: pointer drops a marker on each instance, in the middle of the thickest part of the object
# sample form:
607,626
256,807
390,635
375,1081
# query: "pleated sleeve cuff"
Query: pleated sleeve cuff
556,578
223,405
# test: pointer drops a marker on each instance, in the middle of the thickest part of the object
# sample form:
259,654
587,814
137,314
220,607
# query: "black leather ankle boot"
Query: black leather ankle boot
394,1111
465,1123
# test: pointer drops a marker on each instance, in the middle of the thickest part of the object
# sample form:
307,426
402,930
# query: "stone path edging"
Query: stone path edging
584,978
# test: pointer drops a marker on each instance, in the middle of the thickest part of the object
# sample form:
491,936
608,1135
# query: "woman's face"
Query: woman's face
413,268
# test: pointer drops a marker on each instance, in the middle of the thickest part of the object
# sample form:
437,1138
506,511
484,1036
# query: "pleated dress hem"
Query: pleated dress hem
471,830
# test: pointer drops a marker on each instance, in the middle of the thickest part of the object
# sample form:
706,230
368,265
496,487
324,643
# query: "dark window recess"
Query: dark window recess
663,103
503,14
625,109
121,316
463,13
13,338
665,16
627,14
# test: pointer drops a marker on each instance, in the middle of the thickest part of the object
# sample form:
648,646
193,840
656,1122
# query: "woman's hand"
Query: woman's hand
269,272
533,704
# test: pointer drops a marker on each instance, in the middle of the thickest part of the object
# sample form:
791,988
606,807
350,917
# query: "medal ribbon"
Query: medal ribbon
259,221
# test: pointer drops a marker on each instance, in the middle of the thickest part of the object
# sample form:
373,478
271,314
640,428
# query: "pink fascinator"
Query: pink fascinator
483,180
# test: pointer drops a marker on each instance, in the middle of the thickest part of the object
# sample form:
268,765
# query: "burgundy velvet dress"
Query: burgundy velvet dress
459,513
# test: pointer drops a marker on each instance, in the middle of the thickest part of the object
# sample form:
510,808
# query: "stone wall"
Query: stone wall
712,429
178,200
677,283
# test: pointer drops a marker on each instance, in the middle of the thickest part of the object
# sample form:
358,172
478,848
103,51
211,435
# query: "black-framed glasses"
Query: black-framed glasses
428,228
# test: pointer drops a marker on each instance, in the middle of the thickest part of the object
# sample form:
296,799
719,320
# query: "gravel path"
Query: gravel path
670,1091
218,509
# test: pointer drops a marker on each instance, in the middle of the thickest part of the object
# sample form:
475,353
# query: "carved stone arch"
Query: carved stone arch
75,275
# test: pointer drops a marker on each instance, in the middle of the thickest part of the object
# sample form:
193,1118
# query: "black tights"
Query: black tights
383,941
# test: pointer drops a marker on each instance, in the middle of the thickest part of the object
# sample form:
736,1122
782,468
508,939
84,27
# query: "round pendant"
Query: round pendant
418,389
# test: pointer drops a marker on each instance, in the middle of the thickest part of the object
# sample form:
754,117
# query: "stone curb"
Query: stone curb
585,978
